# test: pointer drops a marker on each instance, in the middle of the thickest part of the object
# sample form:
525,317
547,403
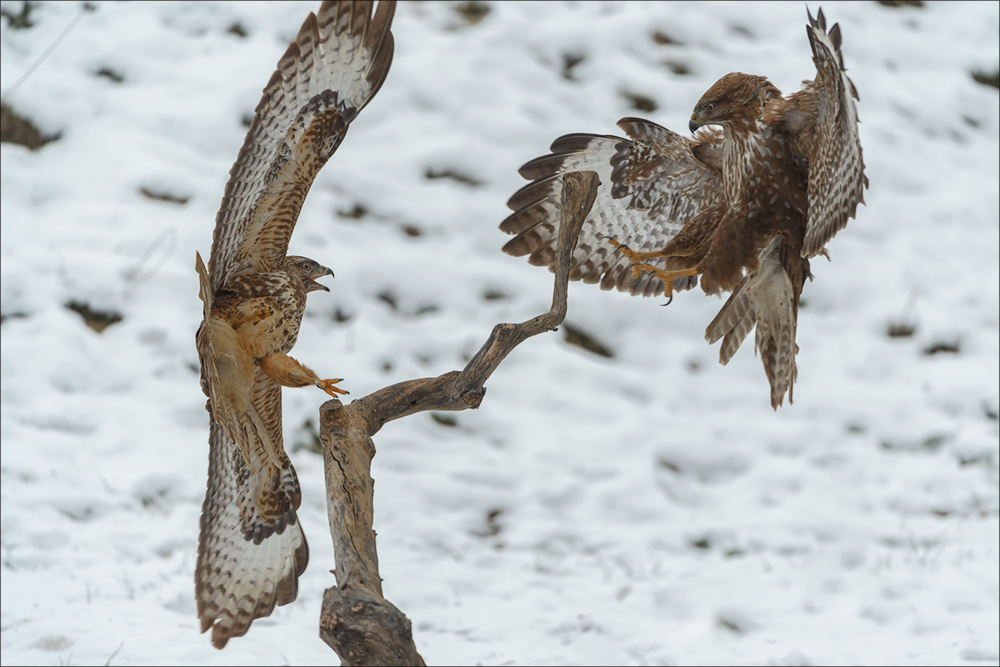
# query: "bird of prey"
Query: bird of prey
251,549
761,187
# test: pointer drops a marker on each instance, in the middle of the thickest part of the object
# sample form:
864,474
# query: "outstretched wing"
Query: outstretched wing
329,73
650,188
250,553
828,138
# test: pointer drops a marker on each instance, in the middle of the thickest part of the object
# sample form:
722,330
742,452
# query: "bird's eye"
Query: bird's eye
710,107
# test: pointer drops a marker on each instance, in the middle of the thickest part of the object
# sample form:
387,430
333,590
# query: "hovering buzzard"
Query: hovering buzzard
251,550
744,204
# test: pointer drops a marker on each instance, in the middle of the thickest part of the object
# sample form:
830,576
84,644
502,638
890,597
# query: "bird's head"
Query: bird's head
734,97
307,270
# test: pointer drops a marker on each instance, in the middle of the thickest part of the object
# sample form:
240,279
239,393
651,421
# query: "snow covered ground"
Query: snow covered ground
647,508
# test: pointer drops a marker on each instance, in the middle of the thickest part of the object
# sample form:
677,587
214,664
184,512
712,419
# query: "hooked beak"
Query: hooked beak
319,274
694,124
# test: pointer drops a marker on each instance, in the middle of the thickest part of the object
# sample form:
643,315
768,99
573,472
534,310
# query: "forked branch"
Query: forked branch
357,622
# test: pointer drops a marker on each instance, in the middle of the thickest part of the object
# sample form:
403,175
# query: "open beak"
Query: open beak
694,124
319,274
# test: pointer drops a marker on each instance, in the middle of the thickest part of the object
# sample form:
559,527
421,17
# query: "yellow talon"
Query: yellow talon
328,387
639,266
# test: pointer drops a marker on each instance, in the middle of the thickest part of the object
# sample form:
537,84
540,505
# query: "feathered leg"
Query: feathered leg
288,372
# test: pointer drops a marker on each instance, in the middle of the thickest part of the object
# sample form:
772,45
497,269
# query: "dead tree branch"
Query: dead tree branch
357,622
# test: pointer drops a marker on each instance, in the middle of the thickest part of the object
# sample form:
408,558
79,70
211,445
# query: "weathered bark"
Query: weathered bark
357,622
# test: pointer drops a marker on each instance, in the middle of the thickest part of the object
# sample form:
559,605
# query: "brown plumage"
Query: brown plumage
744,206
251,549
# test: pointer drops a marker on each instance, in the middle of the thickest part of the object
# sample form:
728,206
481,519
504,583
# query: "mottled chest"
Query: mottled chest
265,309
762,176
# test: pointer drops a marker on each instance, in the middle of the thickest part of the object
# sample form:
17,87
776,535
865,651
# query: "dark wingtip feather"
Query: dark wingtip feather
529,194
572,143
512,247
835,37
640,128
522,220
541,167
380,69
309,30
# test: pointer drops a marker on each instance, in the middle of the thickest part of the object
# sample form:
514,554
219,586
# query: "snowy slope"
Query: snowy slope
647,508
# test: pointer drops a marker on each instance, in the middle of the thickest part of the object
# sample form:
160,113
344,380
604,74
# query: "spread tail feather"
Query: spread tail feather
768,300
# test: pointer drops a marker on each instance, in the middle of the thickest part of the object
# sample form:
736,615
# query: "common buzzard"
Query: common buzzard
744,204
251,550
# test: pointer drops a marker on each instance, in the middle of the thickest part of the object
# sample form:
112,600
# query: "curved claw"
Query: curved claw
669,301
328,387
614,243
639,268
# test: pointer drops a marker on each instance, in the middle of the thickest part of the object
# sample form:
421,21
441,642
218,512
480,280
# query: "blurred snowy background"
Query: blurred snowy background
642,505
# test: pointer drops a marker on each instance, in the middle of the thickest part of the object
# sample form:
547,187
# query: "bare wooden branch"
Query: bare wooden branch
357,622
